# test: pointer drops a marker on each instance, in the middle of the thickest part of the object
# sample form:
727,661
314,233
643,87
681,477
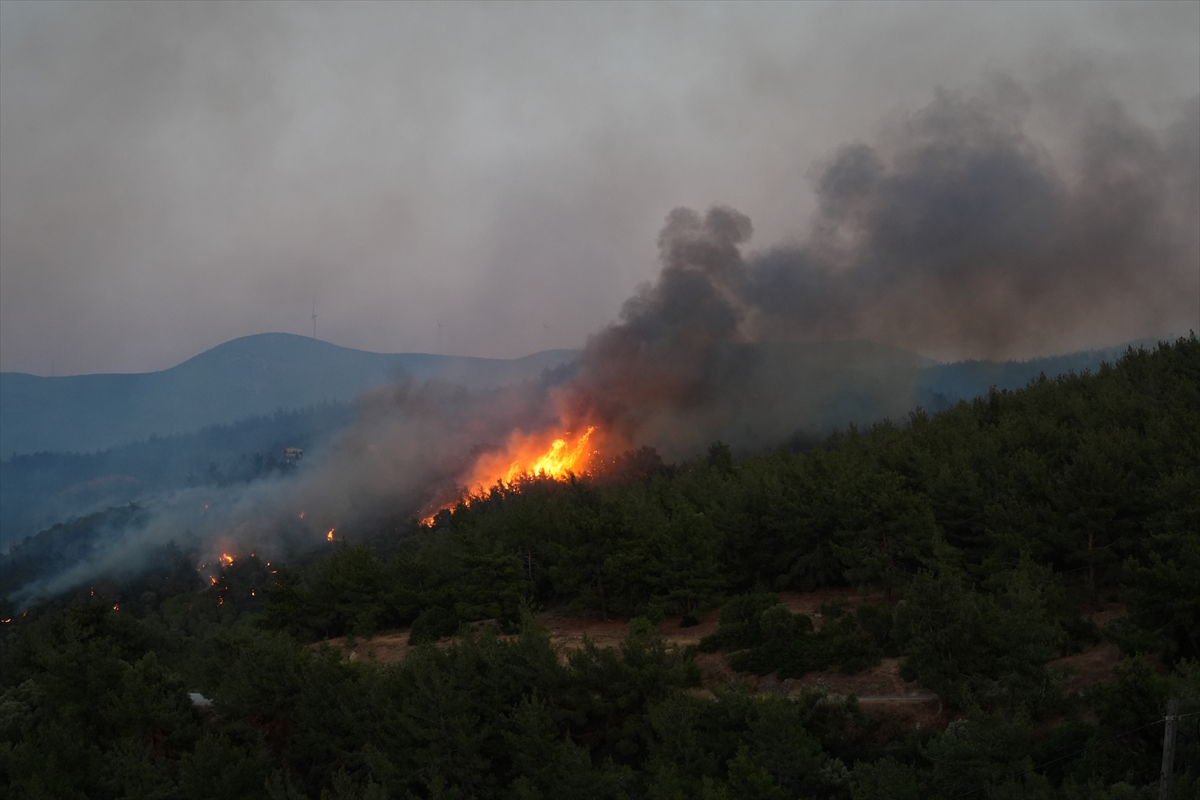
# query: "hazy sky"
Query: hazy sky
175,175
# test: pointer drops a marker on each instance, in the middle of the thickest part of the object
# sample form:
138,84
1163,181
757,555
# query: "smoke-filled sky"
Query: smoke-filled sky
175,175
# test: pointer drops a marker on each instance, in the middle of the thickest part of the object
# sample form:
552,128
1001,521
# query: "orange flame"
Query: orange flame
526,456
329,536
116,607
213,578
227,559
529,456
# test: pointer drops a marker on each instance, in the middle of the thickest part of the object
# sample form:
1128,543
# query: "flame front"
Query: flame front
526,456
557,462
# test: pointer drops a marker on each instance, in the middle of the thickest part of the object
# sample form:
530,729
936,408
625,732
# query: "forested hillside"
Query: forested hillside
987,531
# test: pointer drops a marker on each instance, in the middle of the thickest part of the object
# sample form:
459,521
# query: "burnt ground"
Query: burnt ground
883,695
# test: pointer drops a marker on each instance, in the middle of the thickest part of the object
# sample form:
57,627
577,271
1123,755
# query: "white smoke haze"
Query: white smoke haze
174,175
958,183
410,446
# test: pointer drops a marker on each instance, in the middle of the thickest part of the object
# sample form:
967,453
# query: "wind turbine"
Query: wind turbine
314,319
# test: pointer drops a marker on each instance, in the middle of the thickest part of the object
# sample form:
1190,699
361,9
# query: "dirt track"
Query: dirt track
880,690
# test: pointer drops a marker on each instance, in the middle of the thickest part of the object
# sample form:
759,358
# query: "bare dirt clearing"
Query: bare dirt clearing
880,690
388,647
1094,664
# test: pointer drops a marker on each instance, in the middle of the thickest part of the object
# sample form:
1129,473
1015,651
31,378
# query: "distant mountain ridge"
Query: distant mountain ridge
245,377
257,375
84,443
941,385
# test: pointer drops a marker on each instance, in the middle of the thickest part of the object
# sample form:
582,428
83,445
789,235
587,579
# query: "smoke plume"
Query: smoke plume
956,234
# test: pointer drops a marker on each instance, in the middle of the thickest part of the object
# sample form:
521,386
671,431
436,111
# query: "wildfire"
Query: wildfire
116,607
213,578
528,456
300,515
329,536
226,559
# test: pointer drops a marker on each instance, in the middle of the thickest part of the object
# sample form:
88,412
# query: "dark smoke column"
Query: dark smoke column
660,356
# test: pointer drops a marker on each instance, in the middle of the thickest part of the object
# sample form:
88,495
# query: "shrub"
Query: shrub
433,624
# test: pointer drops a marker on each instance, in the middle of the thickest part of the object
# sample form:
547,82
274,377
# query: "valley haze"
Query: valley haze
250,376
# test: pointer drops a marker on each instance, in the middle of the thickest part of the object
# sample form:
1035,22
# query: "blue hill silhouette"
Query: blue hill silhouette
246,377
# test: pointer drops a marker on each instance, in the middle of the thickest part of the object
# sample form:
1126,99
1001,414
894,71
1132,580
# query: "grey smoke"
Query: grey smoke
177,174
962,229
957,232
958,229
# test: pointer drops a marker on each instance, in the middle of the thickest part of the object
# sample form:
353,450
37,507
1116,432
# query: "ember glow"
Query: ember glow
226,559
329,536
